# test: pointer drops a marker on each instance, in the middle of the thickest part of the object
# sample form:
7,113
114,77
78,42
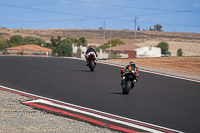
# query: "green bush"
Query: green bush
3,43
164,47
65,48
16,40
179,52
33,40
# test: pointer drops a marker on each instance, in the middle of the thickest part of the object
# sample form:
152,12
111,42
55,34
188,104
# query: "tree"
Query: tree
33,40
29,40
115,42
3,43
104,46
53,42
150,29
74,40
179,52
82,41
100,28
164,47
138,28
16,40
65,48
58,39
48,45
157,27
111,43
40,42
54,50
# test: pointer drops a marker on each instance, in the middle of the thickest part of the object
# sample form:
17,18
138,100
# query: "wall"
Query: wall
83,50
131,53
148,52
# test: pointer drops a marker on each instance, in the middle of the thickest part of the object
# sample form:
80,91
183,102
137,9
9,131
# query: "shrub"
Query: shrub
65,48
179,52
164,47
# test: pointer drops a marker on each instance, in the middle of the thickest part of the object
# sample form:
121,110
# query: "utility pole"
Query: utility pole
104,32
135,30
110,42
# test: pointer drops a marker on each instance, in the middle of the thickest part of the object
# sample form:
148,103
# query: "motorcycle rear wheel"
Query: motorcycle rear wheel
92,66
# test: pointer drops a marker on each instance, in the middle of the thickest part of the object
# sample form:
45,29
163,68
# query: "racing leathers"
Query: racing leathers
128,68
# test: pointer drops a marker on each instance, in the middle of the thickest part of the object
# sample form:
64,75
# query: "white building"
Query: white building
83,50
102,55
148,52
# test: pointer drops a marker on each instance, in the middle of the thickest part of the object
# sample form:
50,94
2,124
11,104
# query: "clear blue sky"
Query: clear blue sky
173,15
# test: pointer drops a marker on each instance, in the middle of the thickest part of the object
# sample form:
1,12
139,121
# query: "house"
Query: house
148,52
29,49
126,50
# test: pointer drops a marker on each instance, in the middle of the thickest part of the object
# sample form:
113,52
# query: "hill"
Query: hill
96,36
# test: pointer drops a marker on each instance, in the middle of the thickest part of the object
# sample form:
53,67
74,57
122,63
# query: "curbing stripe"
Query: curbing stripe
82,118
123,120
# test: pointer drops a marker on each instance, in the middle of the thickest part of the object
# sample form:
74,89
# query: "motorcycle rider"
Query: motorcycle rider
90,49
128,68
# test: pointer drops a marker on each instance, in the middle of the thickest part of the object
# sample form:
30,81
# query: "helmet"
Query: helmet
90,46
132,62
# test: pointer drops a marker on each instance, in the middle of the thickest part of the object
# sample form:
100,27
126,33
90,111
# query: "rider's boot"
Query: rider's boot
122,83
95,62
135,80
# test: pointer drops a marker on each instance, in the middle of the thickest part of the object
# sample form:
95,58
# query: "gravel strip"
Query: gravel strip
18,118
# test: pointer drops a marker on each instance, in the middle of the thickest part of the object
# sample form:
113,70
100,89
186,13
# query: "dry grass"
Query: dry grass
188,48
181,65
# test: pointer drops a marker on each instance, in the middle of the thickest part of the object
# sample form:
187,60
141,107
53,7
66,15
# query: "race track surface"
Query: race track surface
156,99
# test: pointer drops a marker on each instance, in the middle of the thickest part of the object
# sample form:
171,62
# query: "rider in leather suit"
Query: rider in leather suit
90,49
128,68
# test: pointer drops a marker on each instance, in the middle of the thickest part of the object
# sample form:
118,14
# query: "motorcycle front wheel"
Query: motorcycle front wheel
127,88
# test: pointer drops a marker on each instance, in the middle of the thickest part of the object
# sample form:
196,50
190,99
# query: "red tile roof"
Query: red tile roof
31,47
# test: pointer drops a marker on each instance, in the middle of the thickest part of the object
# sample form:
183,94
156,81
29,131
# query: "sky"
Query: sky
172,15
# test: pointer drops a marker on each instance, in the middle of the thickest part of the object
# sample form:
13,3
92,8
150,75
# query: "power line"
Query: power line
141,8
78,15
40,21
62,13
135,30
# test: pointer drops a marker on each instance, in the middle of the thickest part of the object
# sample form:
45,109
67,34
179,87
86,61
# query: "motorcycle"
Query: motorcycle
91,58
128,82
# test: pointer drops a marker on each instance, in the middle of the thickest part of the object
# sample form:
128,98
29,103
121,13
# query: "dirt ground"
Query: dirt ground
179,65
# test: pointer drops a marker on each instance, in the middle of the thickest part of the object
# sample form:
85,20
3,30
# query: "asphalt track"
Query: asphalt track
160,100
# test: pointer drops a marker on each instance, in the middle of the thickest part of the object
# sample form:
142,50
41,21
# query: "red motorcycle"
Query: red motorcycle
91,57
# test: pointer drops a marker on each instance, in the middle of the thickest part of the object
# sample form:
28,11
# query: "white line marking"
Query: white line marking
118,121
96,115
